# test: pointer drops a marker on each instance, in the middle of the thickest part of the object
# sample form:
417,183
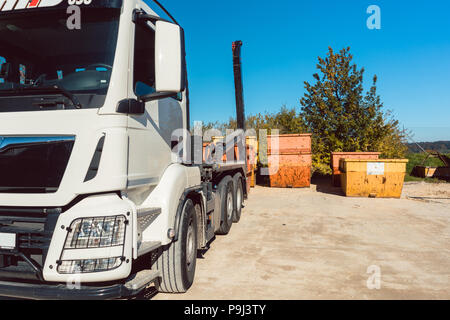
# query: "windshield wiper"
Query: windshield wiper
44,90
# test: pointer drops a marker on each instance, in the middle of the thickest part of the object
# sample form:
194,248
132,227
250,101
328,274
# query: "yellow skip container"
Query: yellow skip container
373,178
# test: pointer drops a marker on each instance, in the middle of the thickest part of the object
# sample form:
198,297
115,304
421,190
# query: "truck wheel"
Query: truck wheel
226,193
239,195
177,262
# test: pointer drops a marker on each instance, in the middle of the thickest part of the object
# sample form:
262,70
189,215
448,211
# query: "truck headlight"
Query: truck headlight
96,232
89,265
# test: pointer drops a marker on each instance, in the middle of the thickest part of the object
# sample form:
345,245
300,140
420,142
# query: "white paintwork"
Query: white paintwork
151,133
21,4
100,253
87,127
136,159
166,196
134,235
94,206
8,5
49,3
168,66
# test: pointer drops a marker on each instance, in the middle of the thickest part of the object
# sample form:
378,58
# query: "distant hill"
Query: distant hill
440,146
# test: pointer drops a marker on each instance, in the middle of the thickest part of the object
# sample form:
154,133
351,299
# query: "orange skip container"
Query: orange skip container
373,178
336,156
290,163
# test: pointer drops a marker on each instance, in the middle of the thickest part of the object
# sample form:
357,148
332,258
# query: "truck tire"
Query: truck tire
225,191
177,261
239,196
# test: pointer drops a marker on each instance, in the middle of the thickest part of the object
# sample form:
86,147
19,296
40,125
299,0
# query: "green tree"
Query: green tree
287,120
343,118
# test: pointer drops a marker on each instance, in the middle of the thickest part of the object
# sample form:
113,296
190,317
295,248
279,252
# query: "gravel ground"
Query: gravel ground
316,244
428,192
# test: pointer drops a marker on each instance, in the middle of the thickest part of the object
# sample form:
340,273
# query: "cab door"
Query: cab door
150,133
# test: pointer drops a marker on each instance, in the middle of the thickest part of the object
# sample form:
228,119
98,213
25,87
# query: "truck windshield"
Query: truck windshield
38,50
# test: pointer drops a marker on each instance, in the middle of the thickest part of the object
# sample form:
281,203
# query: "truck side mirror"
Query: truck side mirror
130,106
169,58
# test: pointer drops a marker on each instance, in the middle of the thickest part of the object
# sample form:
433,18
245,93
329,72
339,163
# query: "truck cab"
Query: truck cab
97,190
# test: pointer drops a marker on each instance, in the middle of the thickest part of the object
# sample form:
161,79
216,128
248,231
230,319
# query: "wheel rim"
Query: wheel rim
190,245
239,198
229,205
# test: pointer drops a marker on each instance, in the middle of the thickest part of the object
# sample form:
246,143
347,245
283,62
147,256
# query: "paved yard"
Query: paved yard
316,244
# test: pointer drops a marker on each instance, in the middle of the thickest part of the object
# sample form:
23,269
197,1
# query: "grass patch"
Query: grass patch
410,178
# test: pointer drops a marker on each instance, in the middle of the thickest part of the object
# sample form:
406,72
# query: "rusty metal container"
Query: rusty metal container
251,166
216,141
252,141
251,181
290,143
372,178
253,178
252,158
425,172
290,170
251,163
442,173
290,164
432,172
337,156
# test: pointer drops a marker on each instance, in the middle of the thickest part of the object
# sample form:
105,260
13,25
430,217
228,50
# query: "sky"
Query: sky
282,39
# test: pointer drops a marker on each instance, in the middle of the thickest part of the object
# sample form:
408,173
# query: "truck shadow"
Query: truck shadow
150,292
321,182
146,294
202,252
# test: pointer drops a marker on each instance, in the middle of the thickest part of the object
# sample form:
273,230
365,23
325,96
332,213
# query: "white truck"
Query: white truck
94,201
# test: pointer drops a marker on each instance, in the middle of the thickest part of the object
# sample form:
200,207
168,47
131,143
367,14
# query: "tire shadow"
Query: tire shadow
150,292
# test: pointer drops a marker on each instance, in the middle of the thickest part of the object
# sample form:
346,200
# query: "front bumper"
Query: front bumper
63,292
41,235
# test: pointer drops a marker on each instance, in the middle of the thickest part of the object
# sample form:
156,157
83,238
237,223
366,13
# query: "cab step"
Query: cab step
148,246
146,216
141,280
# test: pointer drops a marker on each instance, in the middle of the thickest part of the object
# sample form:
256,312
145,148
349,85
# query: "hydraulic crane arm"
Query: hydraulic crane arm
237,65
